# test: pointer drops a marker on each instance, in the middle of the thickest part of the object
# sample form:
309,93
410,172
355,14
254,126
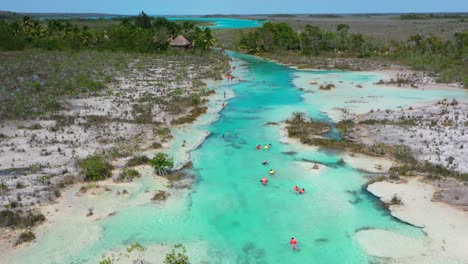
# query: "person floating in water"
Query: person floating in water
272,172
293,243
266,146
265,162
296,189
302,191
264,181
259,147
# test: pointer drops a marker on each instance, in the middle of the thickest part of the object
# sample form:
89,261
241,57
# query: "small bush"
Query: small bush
10,218
396,200
27,236
127,175
156,145
137,160
135,246
95,168
177,256
106,261
160,196
161,162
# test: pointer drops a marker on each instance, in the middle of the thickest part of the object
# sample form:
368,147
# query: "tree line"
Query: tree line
446,57
141,34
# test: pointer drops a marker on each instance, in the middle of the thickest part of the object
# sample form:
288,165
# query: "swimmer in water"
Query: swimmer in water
266,147
264,181
265,162
259,147
302,191
296,189
293,243
272,172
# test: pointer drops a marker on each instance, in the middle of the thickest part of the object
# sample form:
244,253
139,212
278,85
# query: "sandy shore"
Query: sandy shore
446,227
73,205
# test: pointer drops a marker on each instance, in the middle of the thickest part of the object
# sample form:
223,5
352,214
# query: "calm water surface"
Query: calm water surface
228,216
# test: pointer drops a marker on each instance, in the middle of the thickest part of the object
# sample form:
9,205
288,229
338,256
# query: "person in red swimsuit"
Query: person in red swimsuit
293,243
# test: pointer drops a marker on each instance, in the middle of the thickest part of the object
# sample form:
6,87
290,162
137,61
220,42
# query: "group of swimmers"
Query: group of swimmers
266,147
299,190
264,181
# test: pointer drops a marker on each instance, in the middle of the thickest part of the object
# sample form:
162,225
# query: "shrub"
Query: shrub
3,188
127,175
161,162
106,261
156,145
27,236
10,218
177,256
137,160
136,246
396,200
160,196
403,153
95,168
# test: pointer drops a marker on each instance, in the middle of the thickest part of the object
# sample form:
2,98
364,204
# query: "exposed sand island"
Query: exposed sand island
434,133
446,227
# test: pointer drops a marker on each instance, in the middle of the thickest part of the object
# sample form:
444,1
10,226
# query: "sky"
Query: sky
201,7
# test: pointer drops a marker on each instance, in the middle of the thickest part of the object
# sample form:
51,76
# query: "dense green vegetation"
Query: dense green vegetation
448,58
413,16
95,168
299,127
140,34
161,162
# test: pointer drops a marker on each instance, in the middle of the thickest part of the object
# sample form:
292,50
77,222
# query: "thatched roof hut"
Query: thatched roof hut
180,42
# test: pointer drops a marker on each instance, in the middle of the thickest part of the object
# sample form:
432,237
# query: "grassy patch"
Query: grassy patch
128,175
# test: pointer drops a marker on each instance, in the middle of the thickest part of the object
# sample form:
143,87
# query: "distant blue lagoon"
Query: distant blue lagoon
222,23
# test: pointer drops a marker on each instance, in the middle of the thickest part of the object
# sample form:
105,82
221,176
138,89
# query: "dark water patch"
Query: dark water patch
251,254
337,164
356,196
322,240
271,124
383,207
289,153
330,151
364,228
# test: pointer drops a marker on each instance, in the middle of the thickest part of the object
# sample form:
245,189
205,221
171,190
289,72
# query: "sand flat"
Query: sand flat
446,226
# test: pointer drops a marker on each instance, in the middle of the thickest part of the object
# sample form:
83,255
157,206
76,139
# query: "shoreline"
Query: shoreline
71,196
389,72
445,226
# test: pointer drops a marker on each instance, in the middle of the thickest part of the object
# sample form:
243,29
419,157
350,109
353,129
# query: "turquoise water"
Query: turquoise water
223,23
228,216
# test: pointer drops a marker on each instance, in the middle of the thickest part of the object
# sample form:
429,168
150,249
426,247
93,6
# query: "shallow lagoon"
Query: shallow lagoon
228,216
222,23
